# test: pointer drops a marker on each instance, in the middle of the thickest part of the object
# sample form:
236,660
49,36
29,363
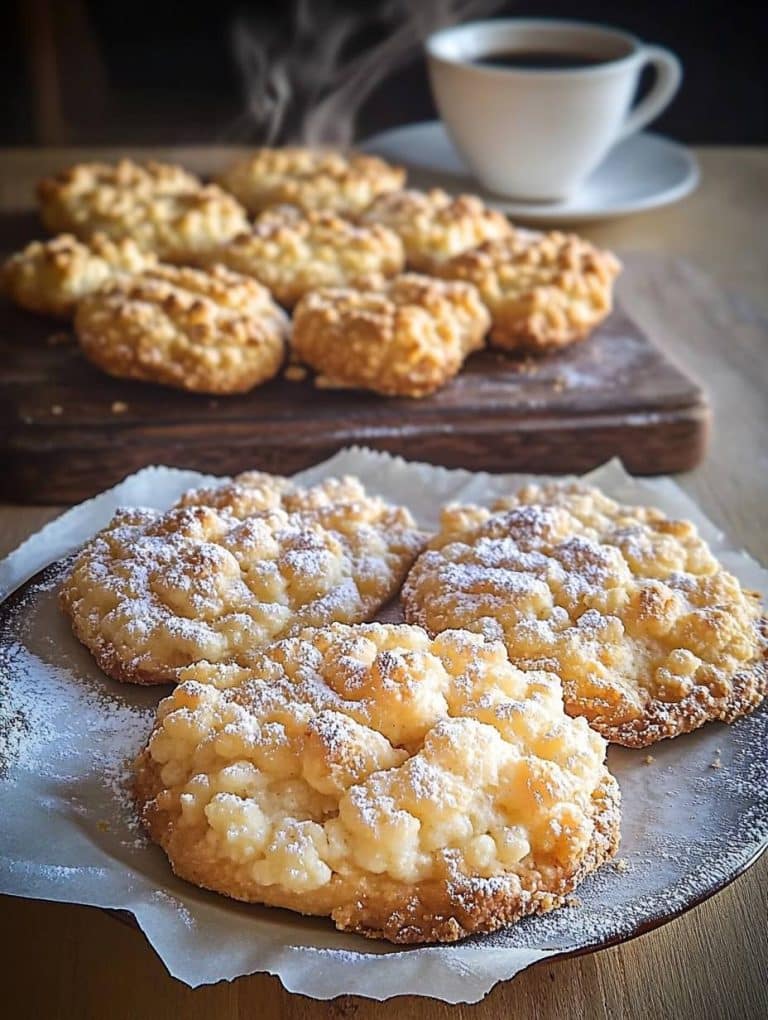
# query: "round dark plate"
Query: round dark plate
695,816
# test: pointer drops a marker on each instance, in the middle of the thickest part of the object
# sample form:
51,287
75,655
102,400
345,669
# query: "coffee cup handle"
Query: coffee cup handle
669,73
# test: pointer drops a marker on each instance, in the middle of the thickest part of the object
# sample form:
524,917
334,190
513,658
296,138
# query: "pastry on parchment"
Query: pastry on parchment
649,634
435,226
50,277
211,331
544,291
161,207
412,789
292,252
154,592
311,178
406,338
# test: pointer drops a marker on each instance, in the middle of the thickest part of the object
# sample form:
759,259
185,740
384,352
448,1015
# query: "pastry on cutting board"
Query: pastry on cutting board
292,252
406,338
208,331
544,291
311,178
161,207
50,277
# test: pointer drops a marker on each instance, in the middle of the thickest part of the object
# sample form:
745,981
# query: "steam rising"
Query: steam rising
303,86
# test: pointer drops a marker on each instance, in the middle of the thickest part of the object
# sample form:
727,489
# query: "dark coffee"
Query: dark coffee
535,60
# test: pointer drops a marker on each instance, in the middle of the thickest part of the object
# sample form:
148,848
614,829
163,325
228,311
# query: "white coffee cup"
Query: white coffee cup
538,133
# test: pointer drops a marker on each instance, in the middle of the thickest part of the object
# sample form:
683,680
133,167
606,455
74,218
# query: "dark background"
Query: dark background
89,72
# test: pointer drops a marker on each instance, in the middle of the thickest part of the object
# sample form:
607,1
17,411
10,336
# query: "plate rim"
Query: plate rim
534,212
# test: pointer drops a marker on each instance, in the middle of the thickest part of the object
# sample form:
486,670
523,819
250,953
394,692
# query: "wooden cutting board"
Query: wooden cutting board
70,431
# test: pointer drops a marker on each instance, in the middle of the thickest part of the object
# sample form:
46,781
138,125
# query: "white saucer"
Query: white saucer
642,172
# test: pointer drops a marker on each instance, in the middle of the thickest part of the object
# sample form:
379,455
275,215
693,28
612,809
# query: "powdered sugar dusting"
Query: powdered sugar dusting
62,714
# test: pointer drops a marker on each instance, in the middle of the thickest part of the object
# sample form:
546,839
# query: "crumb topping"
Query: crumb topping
154,592
435,226
650,635
348,760
161,207
50,277
543,290
406,338
310,178
209,331
293,252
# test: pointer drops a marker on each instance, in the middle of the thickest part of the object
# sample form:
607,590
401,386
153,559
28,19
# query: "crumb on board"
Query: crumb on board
119,407
295,373
621,864
57,409
716,764
102,825
322,382
572,901
649,759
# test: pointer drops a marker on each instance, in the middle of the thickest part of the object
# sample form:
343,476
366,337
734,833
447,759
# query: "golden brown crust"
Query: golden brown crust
543,291
161,207
407,338
435,791
651,636
50,277
460,907
744,693
292,252
206,331
435,226
311,178
153,592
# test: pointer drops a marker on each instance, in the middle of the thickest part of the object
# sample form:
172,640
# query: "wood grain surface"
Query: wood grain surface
69,961
615,395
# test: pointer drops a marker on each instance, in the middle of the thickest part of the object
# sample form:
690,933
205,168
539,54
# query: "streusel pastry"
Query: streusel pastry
650,635
50,277
248,493
435,226
162,208
293,252
407,338
415,790
253,491
206,331
543,291
154,592
310,178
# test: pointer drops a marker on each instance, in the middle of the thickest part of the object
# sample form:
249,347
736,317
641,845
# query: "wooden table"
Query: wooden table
711,963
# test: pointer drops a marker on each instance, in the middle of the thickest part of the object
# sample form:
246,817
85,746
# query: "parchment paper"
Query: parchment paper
692,817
